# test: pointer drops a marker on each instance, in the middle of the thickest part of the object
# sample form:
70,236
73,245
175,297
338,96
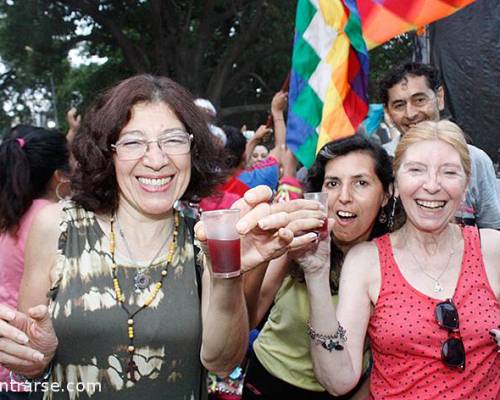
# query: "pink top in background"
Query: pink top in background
12,262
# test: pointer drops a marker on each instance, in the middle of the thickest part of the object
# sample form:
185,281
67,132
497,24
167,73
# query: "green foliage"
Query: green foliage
234,52
220,49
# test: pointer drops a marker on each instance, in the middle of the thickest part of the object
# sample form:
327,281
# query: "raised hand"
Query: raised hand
279,102
269,230
315,257
27,341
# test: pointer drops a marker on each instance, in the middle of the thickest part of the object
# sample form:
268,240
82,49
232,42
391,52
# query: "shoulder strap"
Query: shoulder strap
190,222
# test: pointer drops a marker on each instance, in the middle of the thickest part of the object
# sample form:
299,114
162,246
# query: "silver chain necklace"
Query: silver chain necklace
141,277
437,285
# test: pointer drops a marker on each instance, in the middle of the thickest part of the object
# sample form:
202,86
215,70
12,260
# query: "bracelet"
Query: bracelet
24,379
328,342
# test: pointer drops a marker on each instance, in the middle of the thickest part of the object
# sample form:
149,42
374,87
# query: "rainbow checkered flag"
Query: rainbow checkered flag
328,96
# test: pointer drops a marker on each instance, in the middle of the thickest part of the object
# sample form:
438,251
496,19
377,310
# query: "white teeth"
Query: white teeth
431,204
345,214
155,182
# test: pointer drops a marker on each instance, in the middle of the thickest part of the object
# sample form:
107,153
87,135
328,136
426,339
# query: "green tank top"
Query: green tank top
283,345
92,328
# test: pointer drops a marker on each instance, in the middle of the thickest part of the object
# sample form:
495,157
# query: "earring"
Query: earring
390,222
58,194
382,218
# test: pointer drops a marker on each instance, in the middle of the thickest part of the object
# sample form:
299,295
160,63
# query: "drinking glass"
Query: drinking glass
223,241
322,198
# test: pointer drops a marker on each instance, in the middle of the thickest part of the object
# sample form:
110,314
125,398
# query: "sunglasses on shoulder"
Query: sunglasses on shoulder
452,350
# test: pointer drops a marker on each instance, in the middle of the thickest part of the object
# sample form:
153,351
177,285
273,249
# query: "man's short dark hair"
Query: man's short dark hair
401,71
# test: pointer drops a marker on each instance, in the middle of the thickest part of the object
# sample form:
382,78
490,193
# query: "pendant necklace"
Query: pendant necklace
120,298
141,278
437,285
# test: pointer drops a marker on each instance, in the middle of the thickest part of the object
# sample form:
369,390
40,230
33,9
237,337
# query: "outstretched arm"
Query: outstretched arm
267,232
278,106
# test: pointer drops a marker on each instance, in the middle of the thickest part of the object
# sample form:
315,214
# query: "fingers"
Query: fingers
296,205
251,219
256,195
274,221
305,224
12,353
39,313
7,330
304,241
286,236
6,313
199,232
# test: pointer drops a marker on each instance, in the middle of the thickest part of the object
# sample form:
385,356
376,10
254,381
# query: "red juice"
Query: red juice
323,231
225,256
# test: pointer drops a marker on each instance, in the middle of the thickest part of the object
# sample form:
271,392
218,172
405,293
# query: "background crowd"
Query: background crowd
100,246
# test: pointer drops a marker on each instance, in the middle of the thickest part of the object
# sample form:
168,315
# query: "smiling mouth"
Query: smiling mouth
346,215
431,205
156,182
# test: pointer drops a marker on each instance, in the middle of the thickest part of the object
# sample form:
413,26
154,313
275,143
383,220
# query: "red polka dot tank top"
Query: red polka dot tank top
406,339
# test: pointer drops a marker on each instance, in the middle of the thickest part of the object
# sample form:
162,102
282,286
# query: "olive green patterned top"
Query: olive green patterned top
91,360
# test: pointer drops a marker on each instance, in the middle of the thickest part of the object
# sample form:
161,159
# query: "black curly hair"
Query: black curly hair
401,71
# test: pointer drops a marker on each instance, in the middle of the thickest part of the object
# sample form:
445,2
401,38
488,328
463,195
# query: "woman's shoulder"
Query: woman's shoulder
490,249
360,256
490,244
490,238
47,218
363,249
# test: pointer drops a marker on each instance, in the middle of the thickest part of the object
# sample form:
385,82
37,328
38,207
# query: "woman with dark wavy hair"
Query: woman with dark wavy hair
118,261
357,175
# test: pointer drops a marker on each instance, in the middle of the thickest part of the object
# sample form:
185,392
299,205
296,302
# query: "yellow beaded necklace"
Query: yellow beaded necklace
120,298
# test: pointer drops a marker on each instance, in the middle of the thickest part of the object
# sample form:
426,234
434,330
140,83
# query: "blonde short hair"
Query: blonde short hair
443,130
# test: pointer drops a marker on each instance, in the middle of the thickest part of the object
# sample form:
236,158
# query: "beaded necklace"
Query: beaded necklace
120,298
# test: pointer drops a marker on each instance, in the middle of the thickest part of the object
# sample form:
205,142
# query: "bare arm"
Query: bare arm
40,257
278,106
28,339
225,323
490,247
339,371
261,285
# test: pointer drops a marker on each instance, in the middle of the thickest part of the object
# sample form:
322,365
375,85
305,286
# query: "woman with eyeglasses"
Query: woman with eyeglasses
110,306
427,295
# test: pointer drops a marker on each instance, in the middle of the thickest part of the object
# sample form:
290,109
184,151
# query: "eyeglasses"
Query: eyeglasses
176,142
452,350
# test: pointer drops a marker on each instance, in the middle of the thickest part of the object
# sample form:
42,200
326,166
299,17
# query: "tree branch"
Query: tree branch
249,66
245,108
238,46
134,56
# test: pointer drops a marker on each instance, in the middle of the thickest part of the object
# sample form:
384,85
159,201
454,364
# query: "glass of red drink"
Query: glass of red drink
223,242
322,198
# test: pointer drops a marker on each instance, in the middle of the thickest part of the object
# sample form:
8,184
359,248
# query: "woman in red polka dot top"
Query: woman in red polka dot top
427,294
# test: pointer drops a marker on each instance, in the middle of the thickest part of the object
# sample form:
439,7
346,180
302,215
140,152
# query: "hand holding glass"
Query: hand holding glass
322,198
223,242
